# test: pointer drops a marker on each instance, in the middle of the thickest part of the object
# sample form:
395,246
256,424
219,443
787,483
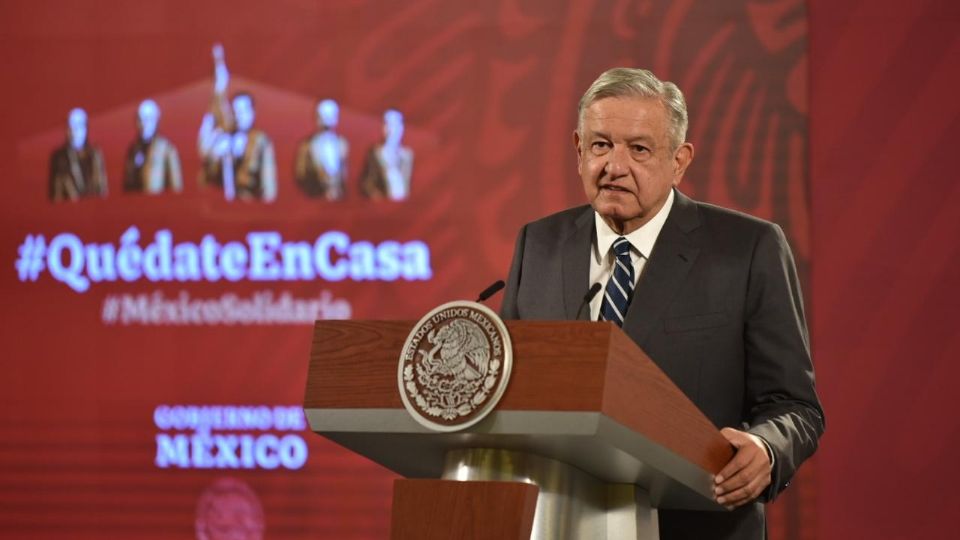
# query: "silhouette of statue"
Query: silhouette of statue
76,167
152,164
389,165
321,163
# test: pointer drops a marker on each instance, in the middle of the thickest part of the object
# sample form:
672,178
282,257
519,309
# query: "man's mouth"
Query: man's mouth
611,187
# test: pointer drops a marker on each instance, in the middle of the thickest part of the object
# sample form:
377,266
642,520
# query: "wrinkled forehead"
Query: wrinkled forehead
622,105
629,113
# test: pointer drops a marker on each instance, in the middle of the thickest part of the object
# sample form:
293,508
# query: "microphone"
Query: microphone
491,290
594,289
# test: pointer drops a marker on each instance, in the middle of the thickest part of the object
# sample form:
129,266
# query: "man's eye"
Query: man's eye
639,148
600,146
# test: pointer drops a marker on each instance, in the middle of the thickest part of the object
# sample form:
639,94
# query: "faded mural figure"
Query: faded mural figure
76,167
389,165
236,157
321,164
229,509
152,164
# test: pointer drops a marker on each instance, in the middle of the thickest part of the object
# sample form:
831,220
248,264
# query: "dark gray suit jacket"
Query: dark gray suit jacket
718,307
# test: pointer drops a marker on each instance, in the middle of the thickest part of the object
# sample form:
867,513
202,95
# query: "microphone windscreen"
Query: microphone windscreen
491,290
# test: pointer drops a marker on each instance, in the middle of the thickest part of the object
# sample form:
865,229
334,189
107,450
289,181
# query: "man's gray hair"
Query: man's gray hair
632,82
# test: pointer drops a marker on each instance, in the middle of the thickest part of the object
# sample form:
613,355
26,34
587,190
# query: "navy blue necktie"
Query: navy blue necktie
616,297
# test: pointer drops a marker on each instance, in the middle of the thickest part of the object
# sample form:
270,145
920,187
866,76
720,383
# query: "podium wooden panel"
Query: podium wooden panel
474,510
581,393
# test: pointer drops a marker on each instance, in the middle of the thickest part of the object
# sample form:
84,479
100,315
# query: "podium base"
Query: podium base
447,510
572,504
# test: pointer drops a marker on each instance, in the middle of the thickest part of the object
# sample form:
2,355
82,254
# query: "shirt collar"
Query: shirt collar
641,240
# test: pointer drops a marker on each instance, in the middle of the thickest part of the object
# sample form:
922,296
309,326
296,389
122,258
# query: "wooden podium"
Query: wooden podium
590,438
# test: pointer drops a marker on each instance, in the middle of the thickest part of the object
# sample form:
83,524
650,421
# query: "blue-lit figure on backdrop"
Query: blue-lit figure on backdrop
321,164
389,165
152,164
76,167
236,157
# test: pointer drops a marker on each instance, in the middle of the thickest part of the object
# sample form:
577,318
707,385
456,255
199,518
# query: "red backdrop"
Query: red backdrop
885,288
489,93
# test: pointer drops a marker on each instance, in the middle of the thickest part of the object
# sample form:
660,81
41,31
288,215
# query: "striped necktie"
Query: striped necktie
616,297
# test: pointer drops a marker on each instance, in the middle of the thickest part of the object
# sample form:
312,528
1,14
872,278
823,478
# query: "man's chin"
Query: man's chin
614,212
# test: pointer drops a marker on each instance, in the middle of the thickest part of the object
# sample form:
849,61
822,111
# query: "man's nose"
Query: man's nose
618,162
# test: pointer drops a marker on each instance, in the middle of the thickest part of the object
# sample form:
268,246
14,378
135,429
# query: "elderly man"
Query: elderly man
711,295
152,165
76,168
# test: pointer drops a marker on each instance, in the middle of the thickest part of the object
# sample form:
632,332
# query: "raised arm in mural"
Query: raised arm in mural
236,157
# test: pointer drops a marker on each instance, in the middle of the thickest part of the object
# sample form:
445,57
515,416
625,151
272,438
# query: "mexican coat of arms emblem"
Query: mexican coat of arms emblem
454,366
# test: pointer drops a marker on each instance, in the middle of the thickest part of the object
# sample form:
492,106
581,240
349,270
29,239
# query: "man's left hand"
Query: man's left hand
745,477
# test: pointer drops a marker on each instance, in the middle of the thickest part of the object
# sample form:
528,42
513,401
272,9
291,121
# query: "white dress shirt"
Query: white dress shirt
641,245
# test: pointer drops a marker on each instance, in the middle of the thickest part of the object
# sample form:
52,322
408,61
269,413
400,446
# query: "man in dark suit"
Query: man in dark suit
711,295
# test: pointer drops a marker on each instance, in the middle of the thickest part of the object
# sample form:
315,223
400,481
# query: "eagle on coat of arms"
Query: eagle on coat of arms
464,351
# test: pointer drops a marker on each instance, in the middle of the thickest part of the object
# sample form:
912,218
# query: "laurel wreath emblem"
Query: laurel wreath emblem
456,374
454,362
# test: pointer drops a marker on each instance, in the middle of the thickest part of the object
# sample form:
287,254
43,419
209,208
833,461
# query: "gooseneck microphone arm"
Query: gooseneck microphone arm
491,290
594,289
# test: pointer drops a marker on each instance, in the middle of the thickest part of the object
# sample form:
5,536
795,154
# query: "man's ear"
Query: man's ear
576,147
681,160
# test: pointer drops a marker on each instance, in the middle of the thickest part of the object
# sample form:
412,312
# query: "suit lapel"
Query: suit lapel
576,265
673,256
